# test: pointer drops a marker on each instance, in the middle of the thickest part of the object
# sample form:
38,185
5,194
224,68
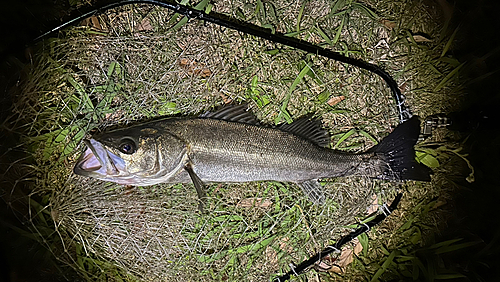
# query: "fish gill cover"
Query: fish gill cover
139,62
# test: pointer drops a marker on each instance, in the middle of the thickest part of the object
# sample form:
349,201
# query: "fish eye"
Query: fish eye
127,146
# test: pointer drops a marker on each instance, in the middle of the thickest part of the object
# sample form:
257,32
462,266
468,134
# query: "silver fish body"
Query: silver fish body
222,151
215,148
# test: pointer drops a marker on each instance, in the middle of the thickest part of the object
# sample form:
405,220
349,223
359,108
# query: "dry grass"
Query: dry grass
137,64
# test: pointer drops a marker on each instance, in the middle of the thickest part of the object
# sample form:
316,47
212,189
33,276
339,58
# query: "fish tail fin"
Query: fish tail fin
399,153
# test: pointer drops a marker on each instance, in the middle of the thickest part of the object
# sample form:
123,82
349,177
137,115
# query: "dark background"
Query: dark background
476,205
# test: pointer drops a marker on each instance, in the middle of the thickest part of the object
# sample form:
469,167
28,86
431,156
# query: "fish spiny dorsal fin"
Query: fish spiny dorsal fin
234,113
308,128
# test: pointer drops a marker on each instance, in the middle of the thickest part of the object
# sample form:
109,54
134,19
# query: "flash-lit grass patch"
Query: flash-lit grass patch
139,62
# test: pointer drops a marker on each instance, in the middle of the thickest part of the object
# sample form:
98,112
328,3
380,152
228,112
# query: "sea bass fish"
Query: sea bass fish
230,146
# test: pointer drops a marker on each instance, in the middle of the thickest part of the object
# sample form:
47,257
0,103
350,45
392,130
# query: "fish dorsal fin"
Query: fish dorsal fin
236,113
308,128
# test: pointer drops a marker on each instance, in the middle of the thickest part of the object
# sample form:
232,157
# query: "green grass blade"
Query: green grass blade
448,78
259,7
338,4
434,69
112,67
365,10
299,78
417,262
445,243
389,260
451,61
324,36
299,17
450,41
323,97
450,276
344,137
363,240
426,159
200,6
367,135
283,110
447,249
339,32
294,34
384,266
87,103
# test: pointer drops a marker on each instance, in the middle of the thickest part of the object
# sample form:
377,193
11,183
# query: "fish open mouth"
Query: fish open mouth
98,162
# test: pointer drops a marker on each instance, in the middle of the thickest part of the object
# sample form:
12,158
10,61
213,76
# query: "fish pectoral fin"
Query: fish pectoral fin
312,188
198,185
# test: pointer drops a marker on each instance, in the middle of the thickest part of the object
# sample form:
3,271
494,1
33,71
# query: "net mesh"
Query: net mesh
138,62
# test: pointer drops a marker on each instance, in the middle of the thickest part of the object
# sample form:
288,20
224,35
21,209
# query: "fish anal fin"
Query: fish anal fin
312,188
198,185
309,129
233,113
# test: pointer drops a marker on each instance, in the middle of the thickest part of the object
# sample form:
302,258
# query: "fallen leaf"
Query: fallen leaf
217,188
271,256
439,203
358,247
129,190
144,25
420,38
114,116
92,22
254,202
184,62
344,260
402,88
389,24
95,22
322,266
346,257
204,73
226,99
374,205
194,68
335,100
284,245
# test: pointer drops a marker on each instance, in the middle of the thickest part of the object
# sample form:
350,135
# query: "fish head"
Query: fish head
129,156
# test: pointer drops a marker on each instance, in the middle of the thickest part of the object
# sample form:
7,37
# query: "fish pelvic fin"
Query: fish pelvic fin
312,188
198,185
398,152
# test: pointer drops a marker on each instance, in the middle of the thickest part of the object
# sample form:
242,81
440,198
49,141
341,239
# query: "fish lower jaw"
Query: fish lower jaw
133,180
